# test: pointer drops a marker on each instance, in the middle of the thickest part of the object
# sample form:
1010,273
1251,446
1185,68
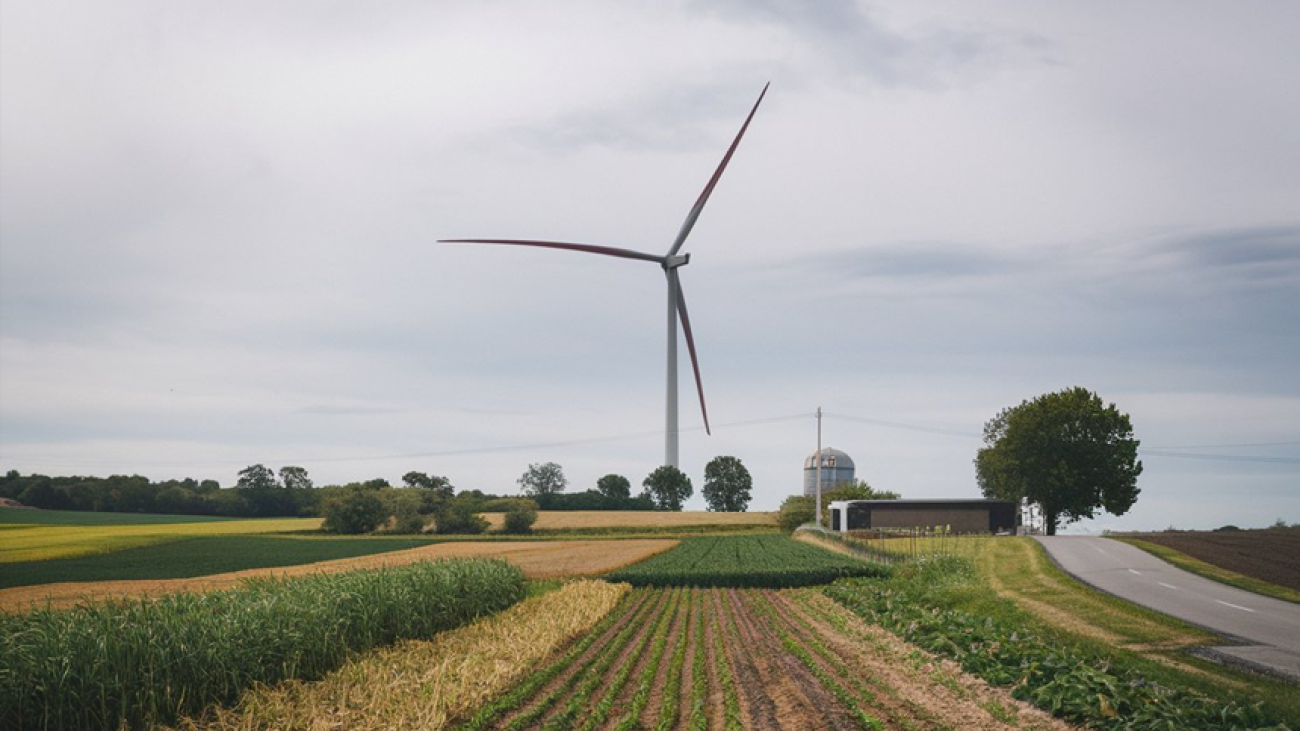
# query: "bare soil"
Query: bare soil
1270,554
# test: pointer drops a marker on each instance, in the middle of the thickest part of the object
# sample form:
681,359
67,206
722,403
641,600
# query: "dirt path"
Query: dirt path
538,559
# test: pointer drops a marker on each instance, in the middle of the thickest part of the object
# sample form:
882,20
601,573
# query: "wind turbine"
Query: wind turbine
670,262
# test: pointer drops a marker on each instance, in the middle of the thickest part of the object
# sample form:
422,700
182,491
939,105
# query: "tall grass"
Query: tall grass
140,662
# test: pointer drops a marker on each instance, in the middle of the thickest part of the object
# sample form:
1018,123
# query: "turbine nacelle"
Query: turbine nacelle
673,262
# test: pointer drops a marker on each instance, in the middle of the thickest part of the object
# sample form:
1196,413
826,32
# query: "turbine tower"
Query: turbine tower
670,262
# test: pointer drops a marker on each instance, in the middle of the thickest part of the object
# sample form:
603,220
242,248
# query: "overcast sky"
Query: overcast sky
217,226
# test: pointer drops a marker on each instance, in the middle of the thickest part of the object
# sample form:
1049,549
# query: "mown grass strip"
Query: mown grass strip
136,663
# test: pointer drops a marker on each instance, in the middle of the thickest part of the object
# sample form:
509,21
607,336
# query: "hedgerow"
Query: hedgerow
142,662
763,560
927,602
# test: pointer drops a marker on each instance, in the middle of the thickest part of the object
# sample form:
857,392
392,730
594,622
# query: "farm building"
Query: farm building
962,516
837,468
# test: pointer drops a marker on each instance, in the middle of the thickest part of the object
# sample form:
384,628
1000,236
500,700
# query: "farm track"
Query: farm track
685,658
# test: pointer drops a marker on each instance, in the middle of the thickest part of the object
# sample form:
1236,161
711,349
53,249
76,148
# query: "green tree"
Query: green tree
543,479
458,517
796,511
615,486
520,516
1065,451
669,487
295,478
727,485
402,510
356,510
441,486
257,477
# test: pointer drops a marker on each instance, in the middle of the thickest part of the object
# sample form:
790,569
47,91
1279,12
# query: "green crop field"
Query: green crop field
201,556
20,516
137,663
19,543
744,560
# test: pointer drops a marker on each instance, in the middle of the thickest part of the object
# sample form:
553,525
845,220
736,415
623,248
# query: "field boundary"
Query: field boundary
1207,570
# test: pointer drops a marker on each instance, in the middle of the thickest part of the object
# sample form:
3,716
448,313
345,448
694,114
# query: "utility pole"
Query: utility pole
819,467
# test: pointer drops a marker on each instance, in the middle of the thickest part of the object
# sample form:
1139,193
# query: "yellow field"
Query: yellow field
587,519
538,559
41,542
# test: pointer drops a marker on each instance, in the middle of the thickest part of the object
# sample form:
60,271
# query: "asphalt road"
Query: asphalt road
1270,626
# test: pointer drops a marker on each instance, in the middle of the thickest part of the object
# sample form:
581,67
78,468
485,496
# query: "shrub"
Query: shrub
796,511
356,510
458,517
520,516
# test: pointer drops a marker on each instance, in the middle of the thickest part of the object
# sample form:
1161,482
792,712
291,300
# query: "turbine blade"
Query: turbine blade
588,248
713,181
690,346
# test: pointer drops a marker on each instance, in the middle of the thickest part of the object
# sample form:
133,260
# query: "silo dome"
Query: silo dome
837,468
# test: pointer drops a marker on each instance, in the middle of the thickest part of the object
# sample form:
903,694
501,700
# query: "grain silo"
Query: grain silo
837,468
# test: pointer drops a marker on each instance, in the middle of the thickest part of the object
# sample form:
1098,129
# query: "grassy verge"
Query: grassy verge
942,605
136,663
1212,572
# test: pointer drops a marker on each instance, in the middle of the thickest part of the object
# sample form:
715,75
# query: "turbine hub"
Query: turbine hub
681,260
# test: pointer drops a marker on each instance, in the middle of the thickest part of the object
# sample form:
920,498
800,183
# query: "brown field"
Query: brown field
538,559
588,519
1271,554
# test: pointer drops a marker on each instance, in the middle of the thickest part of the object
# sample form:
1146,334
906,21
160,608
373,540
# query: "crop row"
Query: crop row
771,561
140,662
922,604
424,683
723,658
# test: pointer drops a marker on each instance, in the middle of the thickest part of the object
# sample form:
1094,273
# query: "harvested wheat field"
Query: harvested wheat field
538,559
596,519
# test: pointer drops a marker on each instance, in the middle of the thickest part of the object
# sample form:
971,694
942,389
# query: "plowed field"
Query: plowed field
747,658
1271,555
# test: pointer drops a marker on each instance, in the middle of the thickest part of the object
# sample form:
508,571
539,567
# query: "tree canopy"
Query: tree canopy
669,487
615,486
1065,451
727,485
543,479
